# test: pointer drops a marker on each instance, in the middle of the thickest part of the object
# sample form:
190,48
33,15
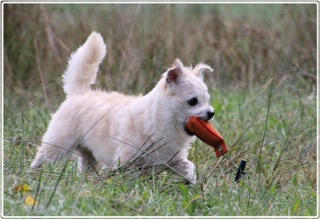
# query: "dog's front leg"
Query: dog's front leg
187,169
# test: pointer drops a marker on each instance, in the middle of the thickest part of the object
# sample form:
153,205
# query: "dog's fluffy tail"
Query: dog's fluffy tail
83,65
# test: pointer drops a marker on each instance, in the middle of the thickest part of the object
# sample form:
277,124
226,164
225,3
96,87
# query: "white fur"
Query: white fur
83,65
112,126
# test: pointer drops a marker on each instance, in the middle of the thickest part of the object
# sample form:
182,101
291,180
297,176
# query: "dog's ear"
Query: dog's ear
200,69
175,72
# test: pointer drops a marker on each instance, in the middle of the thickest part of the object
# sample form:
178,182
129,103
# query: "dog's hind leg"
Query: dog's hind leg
57,143
86,160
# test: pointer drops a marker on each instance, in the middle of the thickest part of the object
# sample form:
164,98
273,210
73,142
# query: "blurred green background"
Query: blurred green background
246,44
263,90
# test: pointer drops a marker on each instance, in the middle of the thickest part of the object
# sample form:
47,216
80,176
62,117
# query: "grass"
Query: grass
244,43
285,183
269,122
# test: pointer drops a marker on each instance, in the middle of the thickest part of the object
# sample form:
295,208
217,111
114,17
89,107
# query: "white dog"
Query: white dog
113,128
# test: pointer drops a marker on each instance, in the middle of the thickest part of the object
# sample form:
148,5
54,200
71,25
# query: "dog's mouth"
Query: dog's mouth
190,133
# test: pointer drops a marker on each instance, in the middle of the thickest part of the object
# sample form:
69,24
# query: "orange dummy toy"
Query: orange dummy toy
208,134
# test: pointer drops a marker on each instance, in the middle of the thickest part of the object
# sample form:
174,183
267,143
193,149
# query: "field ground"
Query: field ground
263,91
283,184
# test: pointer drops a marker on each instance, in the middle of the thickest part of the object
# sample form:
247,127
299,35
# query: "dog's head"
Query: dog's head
187,92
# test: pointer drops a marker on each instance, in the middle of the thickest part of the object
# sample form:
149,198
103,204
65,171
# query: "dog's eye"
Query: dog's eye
192,101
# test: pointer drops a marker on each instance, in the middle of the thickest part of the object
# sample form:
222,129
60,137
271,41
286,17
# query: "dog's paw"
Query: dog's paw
37,162
187,169
192,180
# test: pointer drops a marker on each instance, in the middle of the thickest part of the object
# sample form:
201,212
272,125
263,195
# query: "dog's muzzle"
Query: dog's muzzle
206,117
209,115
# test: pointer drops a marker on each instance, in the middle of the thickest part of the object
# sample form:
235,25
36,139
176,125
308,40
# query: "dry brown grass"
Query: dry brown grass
264,58
246,44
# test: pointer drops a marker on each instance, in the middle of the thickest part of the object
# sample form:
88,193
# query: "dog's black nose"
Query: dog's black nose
210,114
